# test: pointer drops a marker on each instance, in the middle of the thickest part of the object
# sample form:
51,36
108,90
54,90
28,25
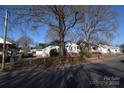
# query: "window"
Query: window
94,48
74,48
109,50
70,48
78,47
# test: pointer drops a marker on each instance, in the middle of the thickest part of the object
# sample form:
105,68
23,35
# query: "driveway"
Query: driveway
101,74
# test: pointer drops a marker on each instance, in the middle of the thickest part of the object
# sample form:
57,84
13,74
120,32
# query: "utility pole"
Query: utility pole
4,43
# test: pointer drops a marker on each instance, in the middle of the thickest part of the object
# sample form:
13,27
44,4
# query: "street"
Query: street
101,74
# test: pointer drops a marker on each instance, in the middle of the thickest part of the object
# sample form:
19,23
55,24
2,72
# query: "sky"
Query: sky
39,36
119,39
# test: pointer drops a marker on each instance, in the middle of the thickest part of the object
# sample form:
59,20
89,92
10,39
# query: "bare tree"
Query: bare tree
51,35
98,21
74,35
66,17
58,18
100,39
24,41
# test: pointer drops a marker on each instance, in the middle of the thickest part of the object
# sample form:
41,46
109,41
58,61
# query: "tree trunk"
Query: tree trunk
62,45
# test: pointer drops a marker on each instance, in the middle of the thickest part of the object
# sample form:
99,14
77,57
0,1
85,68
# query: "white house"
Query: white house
72,48
2,41
1,45
46,51
69,47
114,49
105,49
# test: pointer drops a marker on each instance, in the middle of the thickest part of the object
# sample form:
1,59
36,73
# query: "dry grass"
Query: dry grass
55,61
48,62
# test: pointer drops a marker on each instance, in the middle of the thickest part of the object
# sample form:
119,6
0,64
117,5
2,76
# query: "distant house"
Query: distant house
122,47
105,49
9,45
102,49
71,49
114,49
46,51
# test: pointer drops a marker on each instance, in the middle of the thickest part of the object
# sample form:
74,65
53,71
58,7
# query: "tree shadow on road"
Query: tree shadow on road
122,61
86,76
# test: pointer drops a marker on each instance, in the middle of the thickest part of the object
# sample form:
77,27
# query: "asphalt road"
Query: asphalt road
102,74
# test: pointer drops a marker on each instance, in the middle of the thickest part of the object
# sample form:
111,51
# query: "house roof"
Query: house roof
2,41
71,44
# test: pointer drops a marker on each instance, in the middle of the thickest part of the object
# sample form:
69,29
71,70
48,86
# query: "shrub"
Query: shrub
85,53
70,59
54,53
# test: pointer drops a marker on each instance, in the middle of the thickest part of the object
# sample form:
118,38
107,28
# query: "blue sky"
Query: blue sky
39,37
120,36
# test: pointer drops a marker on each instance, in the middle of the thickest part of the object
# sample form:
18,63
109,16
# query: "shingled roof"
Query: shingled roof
2,41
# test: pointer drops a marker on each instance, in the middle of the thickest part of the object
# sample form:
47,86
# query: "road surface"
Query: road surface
101,74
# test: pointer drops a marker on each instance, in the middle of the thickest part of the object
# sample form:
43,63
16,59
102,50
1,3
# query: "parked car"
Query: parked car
27,55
